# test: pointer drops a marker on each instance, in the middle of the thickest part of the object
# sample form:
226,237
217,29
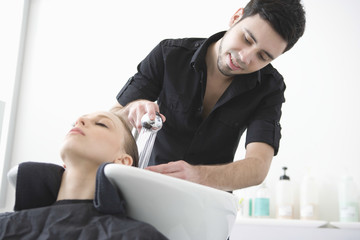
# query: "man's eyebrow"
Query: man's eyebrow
255,40
250,34
269,55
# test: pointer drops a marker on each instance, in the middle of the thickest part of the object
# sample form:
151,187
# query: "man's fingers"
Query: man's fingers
151,109
167,168
137,109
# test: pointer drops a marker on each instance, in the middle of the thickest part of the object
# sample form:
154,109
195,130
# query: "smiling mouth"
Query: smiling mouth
234,65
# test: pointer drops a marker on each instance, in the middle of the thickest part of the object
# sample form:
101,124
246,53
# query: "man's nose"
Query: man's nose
246,56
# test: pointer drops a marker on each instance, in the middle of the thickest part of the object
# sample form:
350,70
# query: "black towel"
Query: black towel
38,184
107,199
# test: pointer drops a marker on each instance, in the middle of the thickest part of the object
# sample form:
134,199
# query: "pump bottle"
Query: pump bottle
284,197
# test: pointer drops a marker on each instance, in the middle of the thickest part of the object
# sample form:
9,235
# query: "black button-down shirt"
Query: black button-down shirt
174,75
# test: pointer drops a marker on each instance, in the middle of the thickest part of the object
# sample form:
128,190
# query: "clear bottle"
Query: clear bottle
244,203
262,202
284,197
309,198
348,200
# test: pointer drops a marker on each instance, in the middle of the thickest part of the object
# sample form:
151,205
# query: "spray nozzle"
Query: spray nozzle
152,125
146,138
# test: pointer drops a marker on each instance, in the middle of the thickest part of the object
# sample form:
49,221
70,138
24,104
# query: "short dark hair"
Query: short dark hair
287,17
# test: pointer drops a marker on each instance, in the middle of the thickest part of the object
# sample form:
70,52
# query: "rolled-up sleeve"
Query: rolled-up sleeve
265,131
265,125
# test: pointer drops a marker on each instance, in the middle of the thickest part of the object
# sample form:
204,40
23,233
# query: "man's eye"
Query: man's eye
101,124
247,40
263,57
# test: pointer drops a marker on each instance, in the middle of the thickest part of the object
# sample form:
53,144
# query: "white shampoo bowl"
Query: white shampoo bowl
179,209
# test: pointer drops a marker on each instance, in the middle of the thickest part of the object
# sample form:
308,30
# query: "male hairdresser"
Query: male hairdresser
211,90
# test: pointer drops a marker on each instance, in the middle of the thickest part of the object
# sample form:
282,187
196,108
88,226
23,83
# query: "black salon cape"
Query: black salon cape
39,216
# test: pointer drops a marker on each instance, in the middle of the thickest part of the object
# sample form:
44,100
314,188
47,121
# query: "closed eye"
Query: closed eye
101,124
246,40
261,57
264,57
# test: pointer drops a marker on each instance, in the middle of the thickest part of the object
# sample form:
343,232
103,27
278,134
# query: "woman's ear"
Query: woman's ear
124,159
236,17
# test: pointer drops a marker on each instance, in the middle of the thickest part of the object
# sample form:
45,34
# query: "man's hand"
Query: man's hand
181,169
230,176
134,111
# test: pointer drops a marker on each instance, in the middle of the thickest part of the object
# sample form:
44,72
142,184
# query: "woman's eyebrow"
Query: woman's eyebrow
107,117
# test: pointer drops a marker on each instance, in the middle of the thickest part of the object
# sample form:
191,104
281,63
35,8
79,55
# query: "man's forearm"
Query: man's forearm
240,174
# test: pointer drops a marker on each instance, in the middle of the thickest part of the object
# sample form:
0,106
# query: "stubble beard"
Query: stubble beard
221,65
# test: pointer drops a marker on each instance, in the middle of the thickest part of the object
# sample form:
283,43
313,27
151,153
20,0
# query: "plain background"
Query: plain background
79,54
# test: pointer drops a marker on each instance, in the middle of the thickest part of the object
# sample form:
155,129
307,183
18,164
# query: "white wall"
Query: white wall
322,114
11,17
80,53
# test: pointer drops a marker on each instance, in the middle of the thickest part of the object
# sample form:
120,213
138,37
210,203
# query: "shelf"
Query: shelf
345,225
282,222
294,229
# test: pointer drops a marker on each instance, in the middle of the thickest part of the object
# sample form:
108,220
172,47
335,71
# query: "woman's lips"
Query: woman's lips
77,131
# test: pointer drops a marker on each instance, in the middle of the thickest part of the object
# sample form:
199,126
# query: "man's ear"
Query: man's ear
236,17
124,159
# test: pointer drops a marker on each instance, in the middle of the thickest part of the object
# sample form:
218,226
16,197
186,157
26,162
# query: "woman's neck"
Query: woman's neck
77,184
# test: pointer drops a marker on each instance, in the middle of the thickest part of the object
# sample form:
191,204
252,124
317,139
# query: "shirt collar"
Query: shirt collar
198,59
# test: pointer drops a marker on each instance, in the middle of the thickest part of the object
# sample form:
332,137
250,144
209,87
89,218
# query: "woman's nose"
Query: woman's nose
81,121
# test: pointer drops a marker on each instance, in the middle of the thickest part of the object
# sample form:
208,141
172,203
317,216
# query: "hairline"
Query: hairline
270,24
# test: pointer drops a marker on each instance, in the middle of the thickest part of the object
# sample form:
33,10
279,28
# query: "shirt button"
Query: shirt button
197,44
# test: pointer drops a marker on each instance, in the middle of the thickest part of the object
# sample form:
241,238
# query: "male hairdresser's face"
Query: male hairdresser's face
248,46
97,136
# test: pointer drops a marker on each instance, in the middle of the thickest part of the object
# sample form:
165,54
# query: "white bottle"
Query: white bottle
284,197
262,202
348,200
309,198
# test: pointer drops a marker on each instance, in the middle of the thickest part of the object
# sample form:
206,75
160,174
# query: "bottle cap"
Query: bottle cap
284,177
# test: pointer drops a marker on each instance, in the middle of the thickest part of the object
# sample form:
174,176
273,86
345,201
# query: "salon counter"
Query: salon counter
248,228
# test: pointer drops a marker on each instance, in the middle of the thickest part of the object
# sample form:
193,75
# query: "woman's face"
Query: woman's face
96,137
